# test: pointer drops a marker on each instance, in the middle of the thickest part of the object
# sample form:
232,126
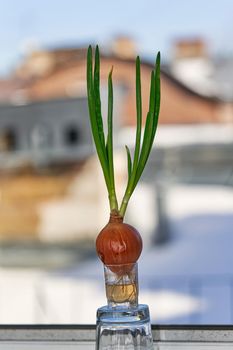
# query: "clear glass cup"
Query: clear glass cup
121,285
123,324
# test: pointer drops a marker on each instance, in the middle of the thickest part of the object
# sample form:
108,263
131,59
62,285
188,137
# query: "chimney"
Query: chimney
36,64
190,48
124,47
191,65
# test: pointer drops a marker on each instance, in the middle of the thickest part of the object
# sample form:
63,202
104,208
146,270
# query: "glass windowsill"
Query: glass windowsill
72,337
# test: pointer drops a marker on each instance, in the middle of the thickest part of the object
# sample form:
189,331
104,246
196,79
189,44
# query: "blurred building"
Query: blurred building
51,85
43,104
192,79
44,128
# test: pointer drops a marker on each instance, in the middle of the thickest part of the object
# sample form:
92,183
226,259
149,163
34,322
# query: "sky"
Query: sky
154,24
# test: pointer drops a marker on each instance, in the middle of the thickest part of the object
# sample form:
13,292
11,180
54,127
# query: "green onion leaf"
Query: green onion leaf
129,162
149,131
109,145
146,146
97,96
151,120
152,93
157,95
105,152
139,114
93,119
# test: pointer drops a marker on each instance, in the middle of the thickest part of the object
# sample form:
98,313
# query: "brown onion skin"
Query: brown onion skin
118,243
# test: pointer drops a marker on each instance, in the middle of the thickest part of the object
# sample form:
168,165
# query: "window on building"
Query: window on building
41,136
72,135
7,140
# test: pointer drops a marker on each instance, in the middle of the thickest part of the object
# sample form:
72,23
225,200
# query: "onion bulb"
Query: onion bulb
118,243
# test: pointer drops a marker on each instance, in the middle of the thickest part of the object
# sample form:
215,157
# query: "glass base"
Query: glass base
124,328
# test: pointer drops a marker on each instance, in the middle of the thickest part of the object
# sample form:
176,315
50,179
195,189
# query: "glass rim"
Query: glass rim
119,265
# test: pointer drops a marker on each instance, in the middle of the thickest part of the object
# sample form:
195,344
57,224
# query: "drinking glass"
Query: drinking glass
123,323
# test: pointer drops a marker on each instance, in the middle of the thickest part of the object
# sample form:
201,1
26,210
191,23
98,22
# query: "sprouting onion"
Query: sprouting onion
118,242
